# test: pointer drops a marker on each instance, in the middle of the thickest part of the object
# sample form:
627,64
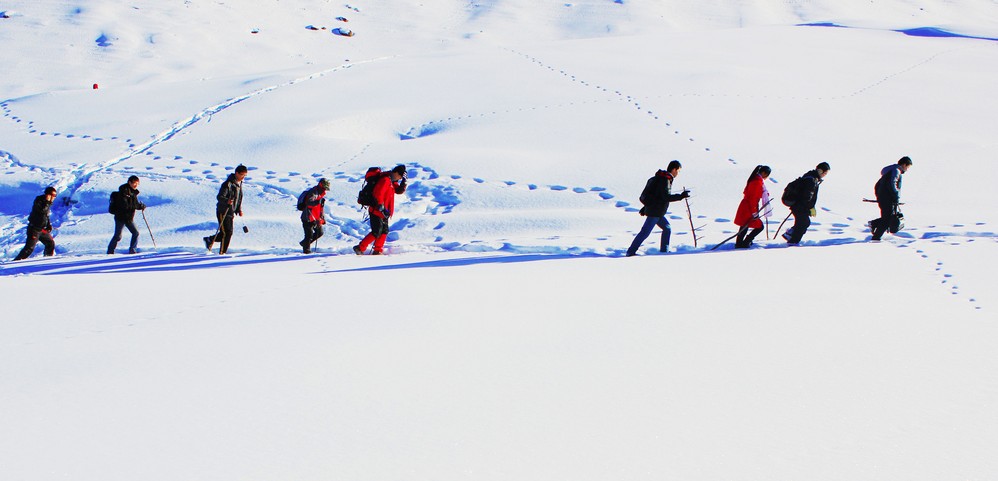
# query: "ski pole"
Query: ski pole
148,228
777,234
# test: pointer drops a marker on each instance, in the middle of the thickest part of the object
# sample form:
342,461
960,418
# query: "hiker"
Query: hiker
312,218
39,225
754,206
230,204
805,199
888,191
656,197
124,206
386,186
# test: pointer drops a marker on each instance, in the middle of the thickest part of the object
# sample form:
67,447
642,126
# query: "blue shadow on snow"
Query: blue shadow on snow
931,32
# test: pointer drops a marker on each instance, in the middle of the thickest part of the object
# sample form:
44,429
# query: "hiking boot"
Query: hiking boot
377,253
110,252
207,242
133,251
356,250
306,250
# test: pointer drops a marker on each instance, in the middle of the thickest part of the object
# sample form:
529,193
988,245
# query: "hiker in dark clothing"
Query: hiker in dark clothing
888,191
39,225
230,204
656,197
804,207
127,203
312,218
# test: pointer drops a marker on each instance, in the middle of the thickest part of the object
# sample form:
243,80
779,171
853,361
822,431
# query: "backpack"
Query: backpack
303,199
114,203
793,192
366,194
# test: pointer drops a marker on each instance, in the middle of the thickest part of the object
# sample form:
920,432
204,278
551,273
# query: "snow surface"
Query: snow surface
504,337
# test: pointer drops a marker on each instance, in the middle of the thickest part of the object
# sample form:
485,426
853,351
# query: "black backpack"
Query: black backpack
366,194
793,192
303,199
114,203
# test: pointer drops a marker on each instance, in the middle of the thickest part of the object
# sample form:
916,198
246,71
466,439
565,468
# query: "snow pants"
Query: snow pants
377,236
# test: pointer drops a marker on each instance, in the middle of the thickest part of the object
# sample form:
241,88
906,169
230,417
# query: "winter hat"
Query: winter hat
823,166
399,169
324,183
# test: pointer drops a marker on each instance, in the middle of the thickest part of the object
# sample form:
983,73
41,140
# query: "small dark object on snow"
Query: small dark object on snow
342,19
344,32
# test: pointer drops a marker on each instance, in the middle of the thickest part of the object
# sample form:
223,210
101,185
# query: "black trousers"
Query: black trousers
313,231
888,213
36,234
802,220
224,230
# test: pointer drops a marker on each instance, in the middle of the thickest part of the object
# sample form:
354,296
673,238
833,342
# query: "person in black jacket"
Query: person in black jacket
39,225
229,205
124,214
656,197
804,206
888,191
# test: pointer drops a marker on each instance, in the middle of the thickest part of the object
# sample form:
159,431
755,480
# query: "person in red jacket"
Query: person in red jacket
387,185
755,205
312,218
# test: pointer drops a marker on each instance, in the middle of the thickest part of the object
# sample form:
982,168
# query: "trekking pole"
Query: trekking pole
745,227
767,228
689,215
777,234
148,228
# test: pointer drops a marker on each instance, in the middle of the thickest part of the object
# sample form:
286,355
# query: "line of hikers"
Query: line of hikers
800,195
380,188
377,196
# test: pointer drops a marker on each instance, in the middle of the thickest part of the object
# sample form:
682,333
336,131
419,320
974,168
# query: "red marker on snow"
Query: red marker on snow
95,86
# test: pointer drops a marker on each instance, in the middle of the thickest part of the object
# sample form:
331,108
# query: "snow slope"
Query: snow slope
504,337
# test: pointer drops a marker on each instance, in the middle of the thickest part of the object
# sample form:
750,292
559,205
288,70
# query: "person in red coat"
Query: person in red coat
754,206
386,186
312,217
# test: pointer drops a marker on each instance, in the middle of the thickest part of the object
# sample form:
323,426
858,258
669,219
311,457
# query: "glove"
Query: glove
48,228
240,213
142,206
384,212
642,212
322,221
812,212
685,194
